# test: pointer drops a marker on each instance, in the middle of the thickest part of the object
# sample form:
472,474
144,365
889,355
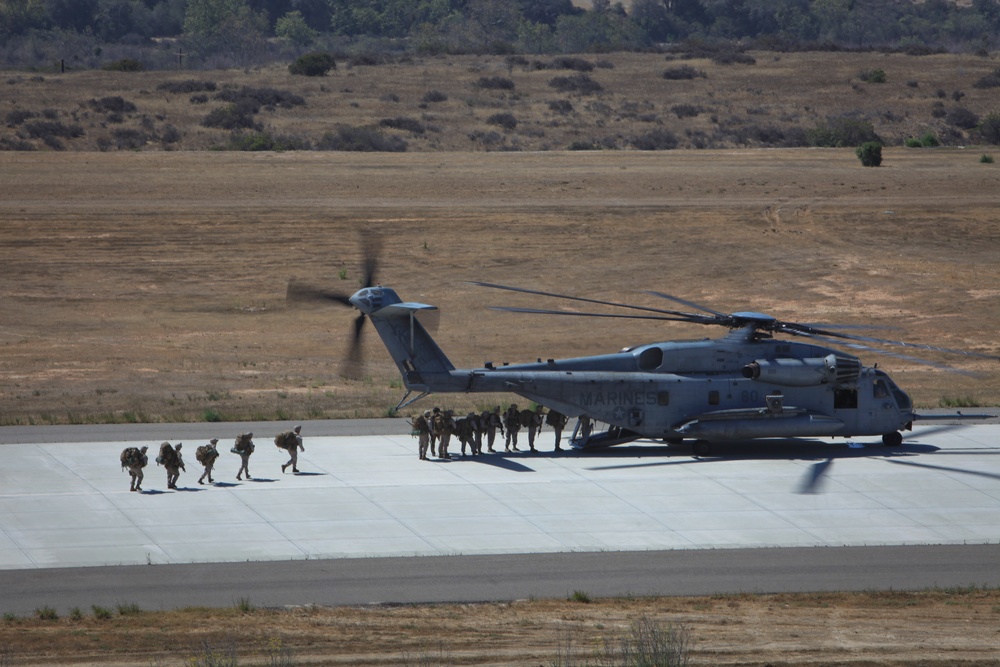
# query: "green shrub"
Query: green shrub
962,118
561,106
187,86
578,83
46,613
929,140
913,142
494,83
313,64
404,123
124,65
505,120
361,139
231,117
101,613
572,63
434,96
991,80
986,158
872,75
683,72
841,132
989,128
580,596
128,608
655,140
870,153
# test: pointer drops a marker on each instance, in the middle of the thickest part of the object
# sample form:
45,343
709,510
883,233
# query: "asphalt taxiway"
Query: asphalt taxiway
365,513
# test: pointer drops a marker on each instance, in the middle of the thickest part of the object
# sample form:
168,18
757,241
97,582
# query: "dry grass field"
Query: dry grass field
150,286
929,629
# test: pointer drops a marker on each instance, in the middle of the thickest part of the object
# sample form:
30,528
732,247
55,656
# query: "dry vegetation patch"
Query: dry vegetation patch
613,102
883,628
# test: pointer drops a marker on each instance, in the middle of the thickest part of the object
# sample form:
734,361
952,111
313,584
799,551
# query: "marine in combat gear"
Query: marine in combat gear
134,460
171,459
244,447
207,455
291,442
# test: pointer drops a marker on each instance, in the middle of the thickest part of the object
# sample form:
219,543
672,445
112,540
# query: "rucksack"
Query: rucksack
286,440
206,453
525,417
131,456
244,443
168,455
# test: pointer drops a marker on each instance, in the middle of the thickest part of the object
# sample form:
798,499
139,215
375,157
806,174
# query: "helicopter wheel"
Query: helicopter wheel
701,448
894,439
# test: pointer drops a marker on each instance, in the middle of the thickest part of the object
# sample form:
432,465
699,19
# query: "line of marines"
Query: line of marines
434,429
134,459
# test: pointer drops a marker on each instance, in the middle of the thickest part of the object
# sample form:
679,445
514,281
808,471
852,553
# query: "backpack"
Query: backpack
556,419
244,444
286,440
168,455
131,456
206,454
525,417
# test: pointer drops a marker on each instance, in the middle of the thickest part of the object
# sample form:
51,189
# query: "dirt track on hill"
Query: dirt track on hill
150,286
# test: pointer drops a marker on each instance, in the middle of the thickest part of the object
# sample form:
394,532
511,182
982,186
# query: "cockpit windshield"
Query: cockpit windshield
884,386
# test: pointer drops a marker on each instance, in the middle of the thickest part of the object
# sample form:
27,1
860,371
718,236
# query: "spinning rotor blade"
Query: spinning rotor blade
684,302
680,316
538,311
298,292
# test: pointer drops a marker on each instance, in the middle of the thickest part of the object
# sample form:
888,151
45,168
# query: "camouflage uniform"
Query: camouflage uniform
244,450
171,459
512,420
135,460
435,428
478,426
491,422
557,421
293,449
448,429
535,420
422,425
207,458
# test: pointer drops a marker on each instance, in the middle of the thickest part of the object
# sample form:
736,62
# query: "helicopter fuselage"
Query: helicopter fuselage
743,385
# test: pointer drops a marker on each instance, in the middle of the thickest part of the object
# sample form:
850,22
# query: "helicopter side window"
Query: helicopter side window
880,390
713,397
845,399
663,398
650,359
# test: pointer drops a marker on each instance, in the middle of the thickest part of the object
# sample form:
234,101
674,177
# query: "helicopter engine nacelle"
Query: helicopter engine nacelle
808,372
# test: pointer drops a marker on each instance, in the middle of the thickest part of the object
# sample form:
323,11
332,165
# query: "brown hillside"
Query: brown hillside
773,102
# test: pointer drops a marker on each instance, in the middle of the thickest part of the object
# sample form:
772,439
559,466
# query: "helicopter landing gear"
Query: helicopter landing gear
894,439
701,448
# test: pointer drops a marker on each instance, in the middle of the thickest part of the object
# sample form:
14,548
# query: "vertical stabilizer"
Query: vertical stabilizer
419,359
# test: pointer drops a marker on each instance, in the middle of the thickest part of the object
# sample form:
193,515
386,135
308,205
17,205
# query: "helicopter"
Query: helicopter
745,385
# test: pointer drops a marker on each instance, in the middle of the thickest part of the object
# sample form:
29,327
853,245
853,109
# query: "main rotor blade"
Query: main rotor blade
895,355
371,244
300,292
684,302
882,341
696,317
352,366
539,311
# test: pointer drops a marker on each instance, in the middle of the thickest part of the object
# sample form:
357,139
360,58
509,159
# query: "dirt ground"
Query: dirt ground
929,629
151,286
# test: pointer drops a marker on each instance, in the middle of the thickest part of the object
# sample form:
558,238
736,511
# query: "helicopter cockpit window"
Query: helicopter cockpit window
650,359
880,389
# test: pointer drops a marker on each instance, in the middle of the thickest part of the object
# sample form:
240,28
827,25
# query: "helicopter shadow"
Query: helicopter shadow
824,454
505,461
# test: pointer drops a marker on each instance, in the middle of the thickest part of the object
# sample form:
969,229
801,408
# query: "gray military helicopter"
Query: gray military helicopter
742,386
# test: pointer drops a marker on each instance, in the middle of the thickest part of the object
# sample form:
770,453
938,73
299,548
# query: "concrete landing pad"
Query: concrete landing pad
67,504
